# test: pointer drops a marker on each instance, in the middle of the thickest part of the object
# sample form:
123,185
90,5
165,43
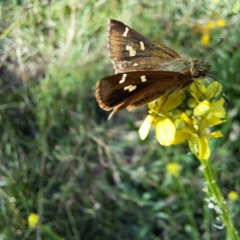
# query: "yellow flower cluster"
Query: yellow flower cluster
33,220
233,195
173,169
178,117
207,28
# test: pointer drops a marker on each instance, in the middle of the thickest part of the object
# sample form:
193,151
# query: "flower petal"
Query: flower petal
192,141
197,90
145,127
180,137
217,109
213,90
216,134
152,104
171,101
165,131
203,147
186,119
213,121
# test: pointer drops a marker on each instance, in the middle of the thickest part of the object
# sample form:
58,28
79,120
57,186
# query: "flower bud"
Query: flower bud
191,103
201,109
179,124
176,113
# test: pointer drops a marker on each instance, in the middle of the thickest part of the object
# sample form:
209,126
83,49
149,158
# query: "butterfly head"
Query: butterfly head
200,69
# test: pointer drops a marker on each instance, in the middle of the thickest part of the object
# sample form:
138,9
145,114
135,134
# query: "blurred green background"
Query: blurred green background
89,178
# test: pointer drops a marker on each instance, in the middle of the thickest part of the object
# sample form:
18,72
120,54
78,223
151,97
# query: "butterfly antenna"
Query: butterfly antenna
213,48
213,78
227,101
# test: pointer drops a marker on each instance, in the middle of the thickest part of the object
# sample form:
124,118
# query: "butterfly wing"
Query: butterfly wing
132,89
131,51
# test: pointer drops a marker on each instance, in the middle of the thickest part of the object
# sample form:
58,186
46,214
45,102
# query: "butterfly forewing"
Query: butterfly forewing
131,51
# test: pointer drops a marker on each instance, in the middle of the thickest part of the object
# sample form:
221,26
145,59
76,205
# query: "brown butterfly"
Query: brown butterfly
145,70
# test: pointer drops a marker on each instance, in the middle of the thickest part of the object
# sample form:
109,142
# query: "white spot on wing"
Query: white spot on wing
142,45
143,78
126,32
135,64
132,52
130,88
127,87
123,78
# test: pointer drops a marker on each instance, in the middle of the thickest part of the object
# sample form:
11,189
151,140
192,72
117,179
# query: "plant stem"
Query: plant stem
218,200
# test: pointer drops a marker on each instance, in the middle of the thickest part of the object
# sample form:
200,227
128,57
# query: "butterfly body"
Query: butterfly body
145,70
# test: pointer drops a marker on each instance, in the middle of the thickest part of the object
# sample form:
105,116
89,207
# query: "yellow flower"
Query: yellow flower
33,220
205,39
205,115
196,28
177,119
232,195
221,23
210,25
161,119
173,169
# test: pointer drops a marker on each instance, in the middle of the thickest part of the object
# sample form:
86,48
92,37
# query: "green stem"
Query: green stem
218,200
207,223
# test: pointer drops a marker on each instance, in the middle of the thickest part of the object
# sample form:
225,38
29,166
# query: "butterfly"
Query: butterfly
144,70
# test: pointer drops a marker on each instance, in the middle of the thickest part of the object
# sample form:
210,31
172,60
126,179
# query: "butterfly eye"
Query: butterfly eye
199,73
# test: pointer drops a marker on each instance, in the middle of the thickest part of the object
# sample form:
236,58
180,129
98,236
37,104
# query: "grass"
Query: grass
86,177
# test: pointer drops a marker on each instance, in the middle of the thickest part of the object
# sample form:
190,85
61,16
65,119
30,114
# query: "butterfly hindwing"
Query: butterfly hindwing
137,88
